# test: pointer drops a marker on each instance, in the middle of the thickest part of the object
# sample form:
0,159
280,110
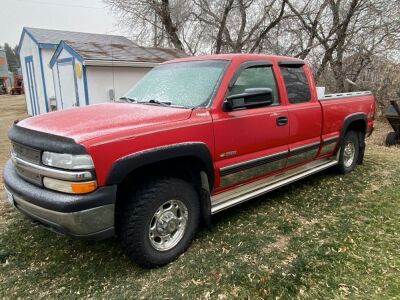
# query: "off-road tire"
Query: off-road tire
353,138
391,139
137,211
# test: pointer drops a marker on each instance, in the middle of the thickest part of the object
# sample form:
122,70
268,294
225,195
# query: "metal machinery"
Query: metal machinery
393,116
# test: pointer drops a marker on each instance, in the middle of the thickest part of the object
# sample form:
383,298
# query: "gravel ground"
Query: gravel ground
12,108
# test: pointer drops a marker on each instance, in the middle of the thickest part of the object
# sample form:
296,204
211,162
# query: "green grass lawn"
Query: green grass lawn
328,236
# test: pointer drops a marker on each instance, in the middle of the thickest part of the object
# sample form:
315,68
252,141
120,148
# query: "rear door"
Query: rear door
304,112
252,142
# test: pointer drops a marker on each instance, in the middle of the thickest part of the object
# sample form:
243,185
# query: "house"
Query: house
86,72
38,46
4,73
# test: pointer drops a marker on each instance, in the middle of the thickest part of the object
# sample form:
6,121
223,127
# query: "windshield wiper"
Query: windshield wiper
131,100
153,101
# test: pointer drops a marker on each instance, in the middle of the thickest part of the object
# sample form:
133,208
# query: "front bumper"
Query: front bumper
87,216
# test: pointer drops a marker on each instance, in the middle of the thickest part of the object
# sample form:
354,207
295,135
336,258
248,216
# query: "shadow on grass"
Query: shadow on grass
45,255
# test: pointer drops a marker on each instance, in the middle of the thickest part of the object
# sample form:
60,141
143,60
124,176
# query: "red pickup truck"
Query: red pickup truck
195,136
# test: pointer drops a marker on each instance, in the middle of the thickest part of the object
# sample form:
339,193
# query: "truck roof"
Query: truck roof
237,56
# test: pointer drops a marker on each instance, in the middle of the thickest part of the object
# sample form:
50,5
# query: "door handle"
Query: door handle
280,121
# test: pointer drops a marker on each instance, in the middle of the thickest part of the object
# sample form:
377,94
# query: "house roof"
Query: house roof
100,47
54,37
119,50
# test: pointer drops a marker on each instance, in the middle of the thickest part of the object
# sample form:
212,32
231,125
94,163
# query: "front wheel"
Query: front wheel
349,152
158,221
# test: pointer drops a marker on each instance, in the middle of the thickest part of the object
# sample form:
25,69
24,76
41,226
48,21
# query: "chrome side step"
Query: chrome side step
249,191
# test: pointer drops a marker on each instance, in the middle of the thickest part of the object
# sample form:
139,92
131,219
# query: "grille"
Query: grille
30,155
26,153
29,176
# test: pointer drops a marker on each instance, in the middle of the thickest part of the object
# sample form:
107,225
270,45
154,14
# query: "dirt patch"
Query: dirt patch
12,108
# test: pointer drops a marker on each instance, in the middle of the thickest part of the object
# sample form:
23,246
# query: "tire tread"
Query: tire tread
132,217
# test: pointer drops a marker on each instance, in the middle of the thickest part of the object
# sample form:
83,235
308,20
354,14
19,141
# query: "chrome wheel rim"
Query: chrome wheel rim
168,225
349,152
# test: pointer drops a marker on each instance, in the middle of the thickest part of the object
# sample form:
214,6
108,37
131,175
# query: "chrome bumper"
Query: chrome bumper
88,216
88,223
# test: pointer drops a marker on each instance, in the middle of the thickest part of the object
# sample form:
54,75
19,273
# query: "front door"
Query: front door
31,85
67,81
252,142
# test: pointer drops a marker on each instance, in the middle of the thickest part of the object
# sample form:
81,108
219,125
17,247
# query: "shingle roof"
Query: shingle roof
93,46
50,36
114,50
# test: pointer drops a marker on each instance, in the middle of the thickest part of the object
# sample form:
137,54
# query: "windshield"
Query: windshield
189,83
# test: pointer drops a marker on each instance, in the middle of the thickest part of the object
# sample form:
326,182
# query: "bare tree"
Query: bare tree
228,26
239,25
341,39
161,18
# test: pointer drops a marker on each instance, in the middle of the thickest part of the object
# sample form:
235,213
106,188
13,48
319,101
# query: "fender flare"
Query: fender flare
125,165
350,119
346,123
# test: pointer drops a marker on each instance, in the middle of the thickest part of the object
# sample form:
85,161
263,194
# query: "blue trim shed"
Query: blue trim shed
36,48
88,72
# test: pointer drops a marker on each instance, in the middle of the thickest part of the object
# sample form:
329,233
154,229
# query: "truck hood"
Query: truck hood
84,123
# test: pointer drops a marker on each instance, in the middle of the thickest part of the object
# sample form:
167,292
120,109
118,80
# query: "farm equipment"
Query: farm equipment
17,86
3,85
393,117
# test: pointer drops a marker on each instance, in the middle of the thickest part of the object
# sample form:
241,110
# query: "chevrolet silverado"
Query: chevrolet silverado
193,137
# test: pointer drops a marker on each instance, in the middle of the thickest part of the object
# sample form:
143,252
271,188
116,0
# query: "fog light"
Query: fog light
69,187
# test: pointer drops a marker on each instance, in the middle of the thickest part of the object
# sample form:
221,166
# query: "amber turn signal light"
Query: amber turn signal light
83,187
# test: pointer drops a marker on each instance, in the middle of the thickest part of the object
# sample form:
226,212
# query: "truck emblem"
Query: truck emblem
229,153
203,114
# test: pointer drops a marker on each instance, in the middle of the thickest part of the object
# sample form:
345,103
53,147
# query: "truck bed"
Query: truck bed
337,107
344,95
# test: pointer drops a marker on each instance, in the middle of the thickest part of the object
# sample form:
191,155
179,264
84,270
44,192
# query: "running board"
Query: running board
249,191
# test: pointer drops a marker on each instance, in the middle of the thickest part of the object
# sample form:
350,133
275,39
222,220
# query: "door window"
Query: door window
256,77
297,87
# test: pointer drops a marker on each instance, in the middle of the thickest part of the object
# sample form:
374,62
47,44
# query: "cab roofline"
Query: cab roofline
236,56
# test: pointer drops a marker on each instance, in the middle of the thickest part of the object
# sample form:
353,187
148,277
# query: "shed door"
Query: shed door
67,81
31,80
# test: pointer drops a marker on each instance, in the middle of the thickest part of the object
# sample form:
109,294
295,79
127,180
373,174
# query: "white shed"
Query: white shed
36,49
87,72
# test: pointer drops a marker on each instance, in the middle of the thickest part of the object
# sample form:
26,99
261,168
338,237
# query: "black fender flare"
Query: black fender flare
346,123
125,165
350,119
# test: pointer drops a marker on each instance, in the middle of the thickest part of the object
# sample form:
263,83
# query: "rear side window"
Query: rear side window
255,77
297,87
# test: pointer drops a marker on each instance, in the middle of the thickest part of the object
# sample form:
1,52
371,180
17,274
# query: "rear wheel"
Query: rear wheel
391,138
158,221
349,152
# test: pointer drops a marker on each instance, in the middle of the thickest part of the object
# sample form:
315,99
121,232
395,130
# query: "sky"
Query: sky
74,15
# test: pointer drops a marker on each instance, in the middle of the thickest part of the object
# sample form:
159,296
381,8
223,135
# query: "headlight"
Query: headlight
67,161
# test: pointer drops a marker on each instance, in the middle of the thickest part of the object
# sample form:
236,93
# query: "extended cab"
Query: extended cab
195,136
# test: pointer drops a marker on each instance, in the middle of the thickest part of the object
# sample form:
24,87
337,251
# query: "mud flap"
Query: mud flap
361,140
205,202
